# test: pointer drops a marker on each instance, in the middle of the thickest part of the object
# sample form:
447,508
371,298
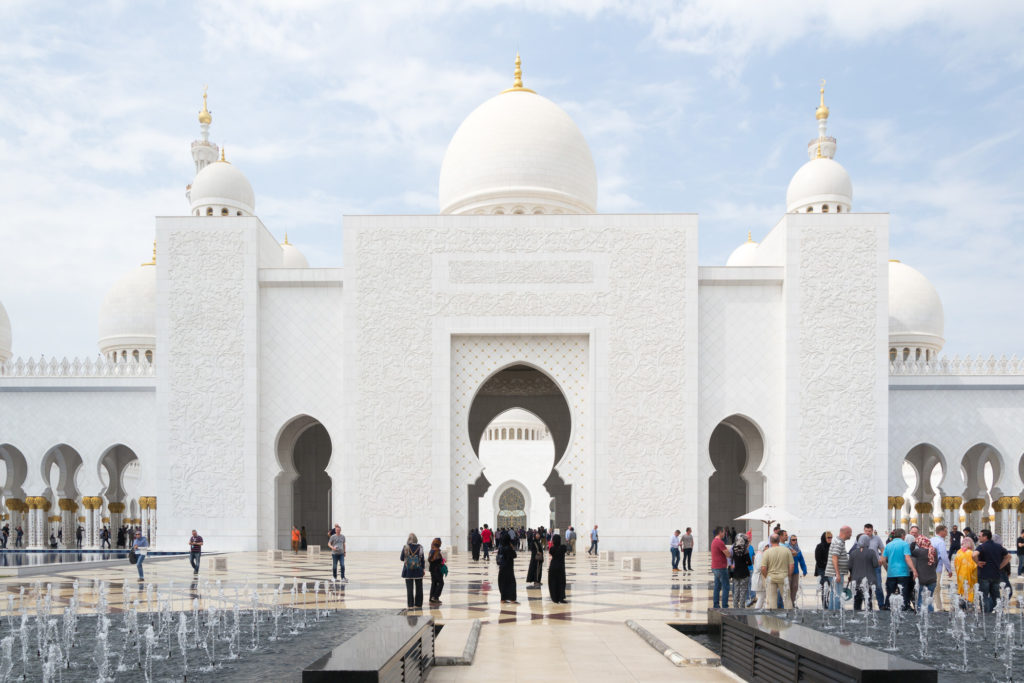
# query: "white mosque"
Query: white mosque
516,357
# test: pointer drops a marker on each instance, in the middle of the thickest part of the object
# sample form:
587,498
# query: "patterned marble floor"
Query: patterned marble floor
583,639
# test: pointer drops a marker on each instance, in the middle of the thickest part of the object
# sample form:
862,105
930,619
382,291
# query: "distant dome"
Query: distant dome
518,152
744,255
127,321
220,189
916,319
291,256
5,335
819,183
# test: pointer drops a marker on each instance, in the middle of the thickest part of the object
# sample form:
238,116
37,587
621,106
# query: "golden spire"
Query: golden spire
204,115
153,262
750,235
285,237
517,78
822,112
222,155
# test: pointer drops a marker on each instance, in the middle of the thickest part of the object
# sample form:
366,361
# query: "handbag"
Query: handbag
132,557
444,569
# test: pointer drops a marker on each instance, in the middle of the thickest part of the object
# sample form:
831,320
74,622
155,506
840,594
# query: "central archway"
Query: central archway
737,485
303,486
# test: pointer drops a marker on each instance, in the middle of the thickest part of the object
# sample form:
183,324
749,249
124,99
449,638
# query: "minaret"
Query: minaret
823,145
203,151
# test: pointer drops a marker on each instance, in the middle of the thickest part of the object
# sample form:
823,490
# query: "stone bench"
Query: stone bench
607,555
631,564
217,564
275,555
312,551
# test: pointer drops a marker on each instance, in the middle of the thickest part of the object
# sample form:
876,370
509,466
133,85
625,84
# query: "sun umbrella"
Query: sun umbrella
768,514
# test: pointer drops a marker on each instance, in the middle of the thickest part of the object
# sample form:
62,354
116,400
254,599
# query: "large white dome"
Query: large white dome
5,335
916,319
821,182
128,315
220,189
744,255
291,257
518,152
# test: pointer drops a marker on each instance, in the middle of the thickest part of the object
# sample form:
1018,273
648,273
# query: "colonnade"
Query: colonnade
1008,511
32,515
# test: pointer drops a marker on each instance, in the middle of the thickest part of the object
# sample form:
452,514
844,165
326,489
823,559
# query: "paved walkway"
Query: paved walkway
585,639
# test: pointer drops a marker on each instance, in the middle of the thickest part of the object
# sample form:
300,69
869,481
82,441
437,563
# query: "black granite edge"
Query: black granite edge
374,634
851,648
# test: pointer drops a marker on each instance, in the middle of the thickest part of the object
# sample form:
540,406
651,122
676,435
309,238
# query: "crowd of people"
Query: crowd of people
915,568
56,540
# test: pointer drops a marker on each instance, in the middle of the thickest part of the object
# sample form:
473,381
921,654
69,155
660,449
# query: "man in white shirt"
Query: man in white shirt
673,546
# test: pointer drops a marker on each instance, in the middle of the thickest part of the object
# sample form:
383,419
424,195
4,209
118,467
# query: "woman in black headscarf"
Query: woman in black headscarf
506,573
536,546
556,570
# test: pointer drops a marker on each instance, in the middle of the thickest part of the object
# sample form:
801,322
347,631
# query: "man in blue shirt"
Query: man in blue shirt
942,554
900,570
991,557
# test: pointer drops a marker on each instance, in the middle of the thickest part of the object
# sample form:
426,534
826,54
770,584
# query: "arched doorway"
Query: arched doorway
119,476
736,486
15,470
511,509
303,486
923,471
520,412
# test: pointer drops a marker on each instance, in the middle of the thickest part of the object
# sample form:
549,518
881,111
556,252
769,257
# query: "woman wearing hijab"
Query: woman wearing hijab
740,572
863,561
536,547
436,562
506,570
556,570
927,563
412,571
757,583
820,562
966,569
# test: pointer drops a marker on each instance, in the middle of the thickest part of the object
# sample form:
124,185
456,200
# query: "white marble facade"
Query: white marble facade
670,394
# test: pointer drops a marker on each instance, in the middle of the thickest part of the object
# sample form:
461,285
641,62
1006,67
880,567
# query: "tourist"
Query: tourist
506,570
4,533
757,582
990,557
820,560
740,573
474,544
139,546
877,544
837,566
195,551
556,570
899,568
338,551
570,541
971,535
485,542
938,542
296,539
776,568
53,540
955,537
966,570
105,537
1020,553
412,571
593,542
303,537
673,549
799,565
863,563
121,536
79,532
535,544
687,545
20,534
720,556
437,571
926,561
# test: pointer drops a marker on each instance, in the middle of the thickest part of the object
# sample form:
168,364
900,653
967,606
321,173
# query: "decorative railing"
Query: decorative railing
77,367
959,366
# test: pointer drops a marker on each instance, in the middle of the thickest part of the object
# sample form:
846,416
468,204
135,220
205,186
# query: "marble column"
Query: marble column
116,519
924,517
92,505
16,507
895,507
148,507
1006,520
973,508
951,510
68,525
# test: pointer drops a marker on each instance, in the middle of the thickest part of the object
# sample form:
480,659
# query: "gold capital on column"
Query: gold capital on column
116,508
900,502
67,504
923,508
951,502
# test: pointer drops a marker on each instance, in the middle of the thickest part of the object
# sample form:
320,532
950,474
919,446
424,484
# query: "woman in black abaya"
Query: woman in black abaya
556,570
506,574
536,545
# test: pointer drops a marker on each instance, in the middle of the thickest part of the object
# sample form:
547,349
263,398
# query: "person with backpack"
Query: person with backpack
412,571
438,569
506,570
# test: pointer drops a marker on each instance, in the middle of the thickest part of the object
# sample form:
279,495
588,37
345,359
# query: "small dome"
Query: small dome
518,152
916,319
221,186
128,314
820,182
745,254
291,256
5,335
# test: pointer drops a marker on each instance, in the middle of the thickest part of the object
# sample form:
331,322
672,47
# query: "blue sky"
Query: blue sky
346,108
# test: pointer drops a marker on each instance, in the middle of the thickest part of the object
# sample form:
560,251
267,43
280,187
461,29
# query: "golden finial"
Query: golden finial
822,112
517,78
285,237
153,262
222,155
750,235
818,155
204,115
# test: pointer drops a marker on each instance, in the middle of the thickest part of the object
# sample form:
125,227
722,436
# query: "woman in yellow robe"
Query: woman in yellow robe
966,569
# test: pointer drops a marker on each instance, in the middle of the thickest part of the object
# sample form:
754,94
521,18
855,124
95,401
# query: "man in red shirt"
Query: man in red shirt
486,537
720,555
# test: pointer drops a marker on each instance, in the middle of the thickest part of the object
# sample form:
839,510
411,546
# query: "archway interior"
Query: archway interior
735,487
60,469
15,471
119,472
537,424
981,467
511,509
311,490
